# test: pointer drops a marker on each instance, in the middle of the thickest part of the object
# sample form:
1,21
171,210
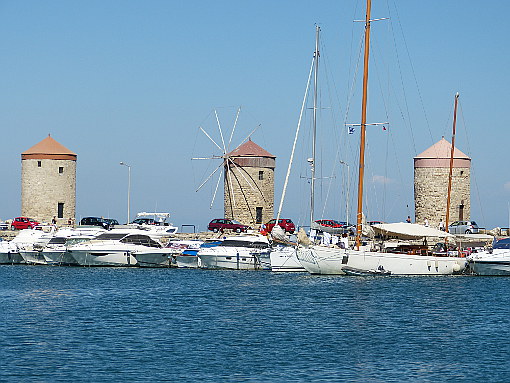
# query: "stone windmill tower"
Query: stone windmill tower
249,184
48,182
431,171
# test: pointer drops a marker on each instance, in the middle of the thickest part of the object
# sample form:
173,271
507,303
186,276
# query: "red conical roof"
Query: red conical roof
250,149
48,149
438,155
442,149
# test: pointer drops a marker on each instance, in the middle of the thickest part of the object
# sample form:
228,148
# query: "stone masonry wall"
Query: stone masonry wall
42,188
431,193
246,198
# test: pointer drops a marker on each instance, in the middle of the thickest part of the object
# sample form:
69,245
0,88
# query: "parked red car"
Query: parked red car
221,224
285,223
20,223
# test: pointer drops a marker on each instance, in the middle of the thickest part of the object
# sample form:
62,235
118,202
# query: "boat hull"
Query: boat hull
33,257
62,257
104,258
153,259
324,260
284,259
486,268
187,261
239,259
11,258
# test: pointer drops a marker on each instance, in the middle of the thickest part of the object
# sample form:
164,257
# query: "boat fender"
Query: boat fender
456,267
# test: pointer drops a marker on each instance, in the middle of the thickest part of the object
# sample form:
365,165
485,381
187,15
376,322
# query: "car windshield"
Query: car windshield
473,223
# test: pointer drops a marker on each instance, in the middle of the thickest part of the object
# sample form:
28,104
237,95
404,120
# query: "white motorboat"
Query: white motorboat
55,252
495,261
31,242
164,257
184,253
244,252
155,224
9,253
114,248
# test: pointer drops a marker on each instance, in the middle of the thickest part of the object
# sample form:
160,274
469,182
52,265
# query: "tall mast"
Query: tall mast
314,135
451,163
363,126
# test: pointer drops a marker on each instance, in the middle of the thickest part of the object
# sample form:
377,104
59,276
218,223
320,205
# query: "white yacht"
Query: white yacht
165,256
9,253
31,242
244,252
155,223
55,252
495,261
113,248
184,253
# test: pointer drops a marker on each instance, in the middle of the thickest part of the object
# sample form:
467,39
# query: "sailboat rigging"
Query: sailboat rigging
369,259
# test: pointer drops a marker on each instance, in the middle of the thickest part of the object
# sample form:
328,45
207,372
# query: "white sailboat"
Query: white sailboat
283,255
364,259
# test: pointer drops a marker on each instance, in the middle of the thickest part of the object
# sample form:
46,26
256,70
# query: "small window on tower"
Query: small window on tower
38,164
261,175
61,169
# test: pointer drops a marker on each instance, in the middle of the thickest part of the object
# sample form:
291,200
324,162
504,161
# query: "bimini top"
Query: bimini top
405,230
48,149
438,156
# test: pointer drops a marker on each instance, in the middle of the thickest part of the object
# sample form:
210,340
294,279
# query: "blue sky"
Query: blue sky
133,80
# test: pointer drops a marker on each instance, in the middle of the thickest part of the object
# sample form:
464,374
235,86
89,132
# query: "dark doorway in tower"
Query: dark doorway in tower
258,214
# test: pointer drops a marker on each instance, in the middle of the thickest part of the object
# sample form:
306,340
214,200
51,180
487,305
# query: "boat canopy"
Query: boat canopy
405,230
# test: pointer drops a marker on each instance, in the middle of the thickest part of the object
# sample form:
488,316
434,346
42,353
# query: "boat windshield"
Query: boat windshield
57,241
110,236
139,239
502,244
238,243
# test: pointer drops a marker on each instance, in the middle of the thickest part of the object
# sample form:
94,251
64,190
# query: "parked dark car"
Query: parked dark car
463,227
97,221
111,222
20,223
285,223
222,224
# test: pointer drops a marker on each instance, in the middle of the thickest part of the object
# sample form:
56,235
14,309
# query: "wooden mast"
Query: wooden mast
363,127
451,164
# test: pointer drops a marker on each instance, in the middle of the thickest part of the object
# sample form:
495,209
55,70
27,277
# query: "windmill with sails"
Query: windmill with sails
248,177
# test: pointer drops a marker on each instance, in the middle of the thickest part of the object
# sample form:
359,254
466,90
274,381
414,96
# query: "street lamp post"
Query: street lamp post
347,195
129,188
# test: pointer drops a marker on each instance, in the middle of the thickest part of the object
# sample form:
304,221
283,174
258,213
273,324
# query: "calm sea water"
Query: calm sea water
113,325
